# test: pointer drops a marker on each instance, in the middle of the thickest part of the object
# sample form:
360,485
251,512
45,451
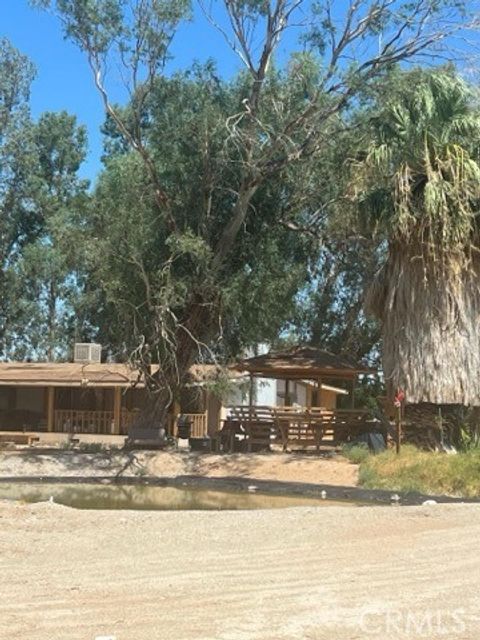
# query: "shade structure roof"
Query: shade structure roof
302,362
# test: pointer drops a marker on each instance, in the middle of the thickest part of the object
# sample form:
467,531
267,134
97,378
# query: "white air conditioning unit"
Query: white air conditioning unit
86,352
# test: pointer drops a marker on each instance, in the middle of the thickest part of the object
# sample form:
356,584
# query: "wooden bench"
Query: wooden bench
16,437
145,438
256,423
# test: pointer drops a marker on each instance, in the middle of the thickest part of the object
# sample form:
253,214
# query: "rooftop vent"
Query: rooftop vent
86,352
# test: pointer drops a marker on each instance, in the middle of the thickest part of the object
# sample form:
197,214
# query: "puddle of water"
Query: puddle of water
142,497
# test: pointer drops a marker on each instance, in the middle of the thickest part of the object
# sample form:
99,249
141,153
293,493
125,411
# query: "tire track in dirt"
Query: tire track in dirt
301,573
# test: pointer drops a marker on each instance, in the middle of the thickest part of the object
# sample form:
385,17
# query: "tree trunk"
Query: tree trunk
429,312
173,372
51,321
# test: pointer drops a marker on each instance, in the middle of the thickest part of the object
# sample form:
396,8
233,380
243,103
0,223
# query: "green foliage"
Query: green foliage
431,473
139,32
142,265
49,272
357,453
330,311
419,179
40,202
19,222
469,438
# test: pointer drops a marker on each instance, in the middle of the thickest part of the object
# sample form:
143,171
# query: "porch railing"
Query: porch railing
100,422
199,422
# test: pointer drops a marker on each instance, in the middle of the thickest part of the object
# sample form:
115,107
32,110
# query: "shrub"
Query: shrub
427,472
356,453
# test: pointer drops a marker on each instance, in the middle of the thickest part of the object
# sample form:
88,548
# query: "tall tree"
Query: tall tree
19,221
331,308
49,272
283,120
417,183
143,267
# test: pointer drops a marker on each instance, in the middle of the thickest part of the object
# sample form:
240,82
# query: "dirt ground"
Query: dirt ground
309,573
271,466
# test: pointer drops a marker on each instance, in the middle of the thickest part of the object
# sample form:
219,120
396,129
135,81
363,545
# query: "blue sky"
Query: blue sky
63,79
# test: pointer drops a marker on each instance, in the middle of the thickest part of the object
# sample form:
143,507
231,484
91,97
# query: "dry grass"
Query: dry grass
427,472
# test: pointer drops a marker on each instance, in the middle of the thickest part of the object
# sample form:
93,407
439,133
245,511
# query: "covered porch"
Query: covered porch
68,398
318,370
318,420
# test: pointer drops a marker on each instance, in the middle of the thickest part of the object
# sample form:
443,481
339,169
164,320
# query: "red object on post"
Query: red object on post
399,398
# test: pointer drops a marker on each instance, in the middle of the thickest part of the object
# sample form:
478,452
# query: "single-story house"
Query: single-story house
103,398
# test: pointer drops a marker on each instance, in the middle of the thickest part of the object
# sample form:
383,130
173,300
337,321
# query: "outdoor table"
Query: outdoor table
231,428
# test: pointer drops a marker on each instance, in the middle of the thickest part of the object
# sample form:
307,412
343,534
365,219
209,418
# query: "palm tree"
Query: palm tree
418,185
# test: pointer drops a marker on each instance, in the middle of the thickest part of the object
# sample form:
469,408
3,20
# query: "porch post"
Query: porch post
251,391
308,391
174,412
50,408
352,401
117,409
206,401
287,393
319,392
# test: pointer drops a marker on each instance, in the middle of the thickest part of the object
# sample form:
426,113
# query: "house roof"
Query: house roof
74,374
67,374
303,362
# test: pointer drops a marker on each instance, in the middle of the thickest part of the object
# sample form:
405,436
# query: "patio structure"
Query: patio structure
293,424
315,367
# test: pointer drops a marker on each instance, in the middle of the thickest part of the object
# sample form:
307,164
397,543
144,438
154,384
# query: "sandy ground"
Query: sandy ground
310,573
272,466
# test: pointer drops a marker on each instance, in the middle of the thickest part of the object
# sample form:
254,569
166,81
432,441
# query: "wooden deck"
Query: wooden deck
293,427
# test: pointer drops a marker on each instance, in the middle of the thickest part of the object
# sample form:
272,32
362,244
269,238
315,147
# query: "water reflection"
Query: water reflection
96,496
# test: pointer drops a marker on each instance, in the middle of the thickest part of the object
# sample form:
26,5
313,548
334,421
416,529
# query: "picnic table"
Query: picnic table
292,427
254,425
301,427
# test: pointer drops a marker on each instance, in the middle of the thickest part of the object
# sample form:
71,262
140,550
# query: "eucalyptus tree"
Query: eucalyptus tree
40,201
330,310
49,273
416,184
19,221
271,134
139,266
